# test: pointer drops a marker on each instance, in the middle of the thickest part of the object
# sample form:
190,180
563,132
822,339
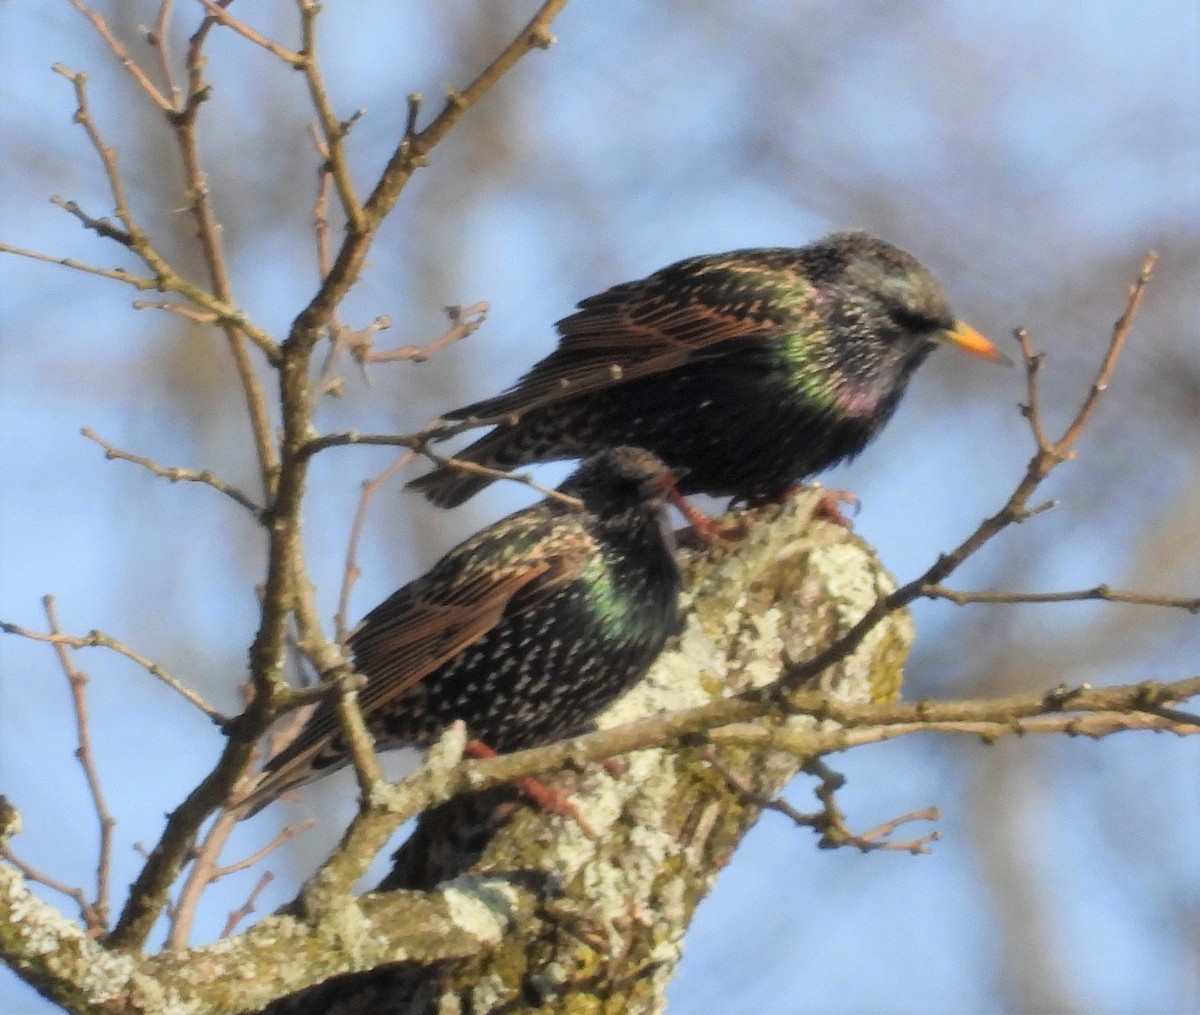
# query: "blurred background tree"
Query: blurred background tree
1028,153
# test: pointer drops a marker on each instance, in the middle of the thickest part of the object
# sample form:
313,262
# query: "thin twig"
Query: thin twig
285,836
463,322
1032,409
98,639
414,148
343,338
87,760
182,914
321,206
101,227
835,832
133,235
288,56
122,55
90,918
236,916
333,130
176,475
116,274
352,572
1094,725
329,381
1120,334
166,278
830,821
1178,717
160,38
205,871
417,442
209,233
888,827
475,469
1101,592
205,317
730,721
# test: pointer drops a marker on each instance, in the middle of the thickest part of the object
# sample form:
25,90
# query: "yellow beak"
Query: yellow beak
970,340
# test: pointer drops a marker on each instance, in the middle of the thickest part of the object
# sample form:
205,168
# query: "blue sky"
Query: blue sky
1028,152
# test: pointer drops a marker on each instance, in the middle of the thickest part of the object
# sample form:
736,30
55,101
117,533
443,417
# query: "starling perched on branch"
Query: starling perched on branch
752,370
524,632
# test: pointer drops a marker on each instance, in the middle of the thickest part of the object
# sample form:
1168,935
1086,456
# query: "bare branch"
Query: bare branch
122,55
247,908
133,235
1121,331
474,468
408,155
1101,592
116,274
209,232
167,279
463,322
285,836
98,639
341,339
176,475
830,821
321,206
90,918
101,227
835,832
415,147
218,13
182,914
352,572
1093,712
205,871
420,443
205,317
333,130
78,684
160,38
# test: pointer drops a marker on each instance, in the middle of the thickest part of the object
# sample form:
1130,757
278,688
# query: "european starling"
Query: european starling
752,370
525,631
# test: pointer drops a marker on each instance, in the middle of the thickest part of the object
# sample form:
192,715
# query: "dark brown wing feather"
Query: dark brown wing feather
408,637
426,624
629,331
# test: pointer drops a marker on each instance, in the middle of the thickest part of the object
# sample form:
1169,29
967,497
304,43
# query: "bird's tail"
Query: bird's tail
310,756
447,487
507,447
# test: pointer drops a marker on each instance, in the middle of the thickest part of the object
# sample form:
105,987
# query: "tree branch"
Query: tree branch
176,475
98,639
1100,592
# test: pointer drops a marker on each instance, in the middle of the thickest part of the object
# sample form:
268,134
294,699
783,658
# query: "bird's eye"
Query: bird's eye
912,320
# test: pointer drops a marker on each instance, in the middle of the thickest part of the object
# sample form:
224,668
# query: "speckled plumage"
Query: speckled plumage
751,370
525,631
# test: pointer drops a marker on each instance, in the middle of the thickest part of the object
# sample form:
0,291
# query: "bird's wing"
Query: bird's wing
411,634
635,329
427,623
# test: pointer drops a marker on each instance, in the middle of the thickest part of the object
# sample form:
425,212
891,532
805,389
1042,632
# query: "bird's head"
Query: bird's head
617,477
889,294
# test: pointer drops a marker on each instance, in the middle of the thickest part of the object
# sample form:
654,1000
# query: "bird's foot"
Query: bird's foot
546,798
706,531
829,509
